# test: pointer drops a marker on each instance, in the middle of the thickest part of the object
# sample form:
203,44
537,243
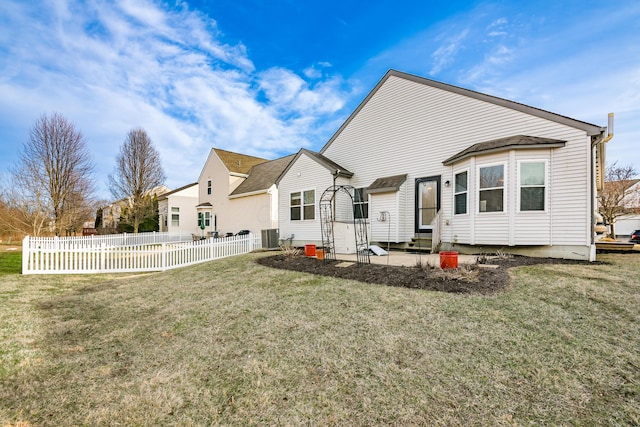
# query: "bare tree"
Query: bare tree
54,166
614,199
138,171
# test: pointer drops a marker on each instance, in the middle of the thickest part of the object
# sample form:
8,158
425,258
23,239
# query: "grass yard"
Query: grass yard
10,262
232,342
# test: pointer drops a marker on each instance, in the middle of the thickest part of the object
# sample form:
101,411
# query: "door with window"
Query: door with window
427,203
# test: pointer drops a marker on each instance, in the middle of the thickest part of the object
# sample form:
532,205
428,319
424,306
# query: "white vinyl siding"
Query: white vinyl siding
385,217
305,173
407,127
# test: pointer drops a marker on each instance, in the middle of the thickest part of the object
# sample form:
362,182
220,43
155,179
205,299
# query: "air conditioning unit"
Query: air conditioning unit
270,238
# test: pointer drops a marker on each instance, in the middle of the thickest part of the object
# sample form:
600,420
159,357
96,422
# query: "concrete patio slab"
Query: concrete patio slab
408,259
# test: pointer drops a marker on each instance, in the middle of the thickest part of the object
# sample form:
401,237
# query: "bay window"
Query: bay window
532,186
491,193
460,193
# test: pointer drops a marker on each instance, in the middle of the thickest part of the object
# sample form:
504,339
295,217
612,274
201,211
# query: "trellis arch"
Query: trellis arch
328,211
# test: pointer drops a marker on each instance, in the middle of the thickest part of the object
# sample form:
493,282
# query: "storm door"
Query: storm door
427,203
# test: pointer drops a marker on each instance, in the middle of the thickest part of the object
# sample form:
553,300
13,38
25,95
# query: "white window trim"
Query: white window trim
209,187
505,171
302,205
176,212
546,186
467,191
363,202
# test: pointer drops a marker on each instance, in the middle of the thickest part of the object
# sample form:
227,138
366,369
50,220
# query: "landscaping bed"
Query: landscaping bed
487,278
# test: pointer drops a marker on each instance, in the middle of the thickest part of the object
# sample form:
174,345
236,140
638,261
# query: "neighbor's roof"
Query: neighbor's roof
589,128
512,142
330,165
236,162
263,176
184,187
387,184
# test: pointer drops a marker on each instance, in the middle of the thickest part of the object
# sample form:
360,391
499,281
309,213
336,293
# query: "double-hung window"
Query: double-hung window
532,186
361,203
303,205
491,193
175,217
209,187
461,192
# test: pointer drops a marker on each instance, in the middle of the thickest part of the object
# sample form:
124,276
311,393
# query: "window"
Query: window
206,217
296,202
491,189
532,186
175,217
209,187
460,193
361,203
303,205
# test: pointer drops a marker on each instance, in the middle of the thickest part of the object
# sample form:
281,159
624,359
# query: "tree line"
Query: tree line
50,189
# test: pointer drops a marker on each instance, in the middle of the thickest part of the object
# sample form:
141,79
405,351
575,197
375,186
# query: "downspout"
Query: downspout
335,178
599,143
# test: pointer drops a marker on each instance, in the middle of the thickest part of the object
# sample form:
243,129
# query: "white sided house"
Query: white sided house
238,192
477,173
177,210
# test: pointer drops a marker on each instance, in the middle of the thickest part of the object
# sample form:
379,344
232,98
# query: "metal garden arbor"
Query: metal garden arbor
334,208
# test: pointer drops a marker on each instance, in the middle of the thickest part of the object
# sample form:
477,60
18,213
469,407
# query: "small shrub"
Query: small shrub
503,255
290,251
423,265
482,259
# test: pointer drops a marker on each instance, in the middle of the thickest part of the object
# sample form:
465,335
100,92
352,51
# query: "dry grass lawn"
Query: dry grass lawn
231,342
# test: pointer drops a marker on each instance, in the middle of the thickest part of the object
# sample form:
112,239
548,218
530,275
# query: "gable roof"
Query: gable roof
236,162
502,144
184,187
262,176
325,162
589,128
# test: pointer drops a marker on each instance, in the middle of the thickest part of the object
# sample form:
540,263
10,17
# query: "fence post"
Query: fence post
102,256
164,257
25,254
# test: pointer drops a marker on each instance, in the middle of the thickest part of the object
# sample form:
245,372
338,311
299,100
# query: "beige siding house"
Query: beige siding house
177,210
481,172
238,192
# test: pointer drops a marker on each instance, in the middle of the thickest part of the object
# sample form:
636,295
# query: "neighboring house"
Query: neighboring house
177,210
430,159
237,192
112,212
627,224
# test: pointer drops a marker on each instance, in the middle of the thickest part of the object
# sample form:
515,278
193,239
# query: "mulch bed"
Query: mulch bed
471,279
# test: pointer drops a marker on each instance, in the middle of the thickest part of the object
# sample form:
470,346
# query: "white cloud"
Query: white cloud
110,68
446,53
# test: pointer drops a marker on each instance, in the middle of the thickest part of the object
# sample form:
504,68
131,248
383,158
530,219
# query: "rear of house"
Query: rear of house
478,172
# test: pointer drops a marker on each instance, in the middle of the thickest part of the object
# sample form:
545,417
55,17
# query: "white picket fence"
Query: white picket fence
124,239
64,256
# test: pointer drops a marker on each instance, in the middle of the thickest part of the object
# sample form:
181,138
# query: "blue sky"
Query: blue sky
269,77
